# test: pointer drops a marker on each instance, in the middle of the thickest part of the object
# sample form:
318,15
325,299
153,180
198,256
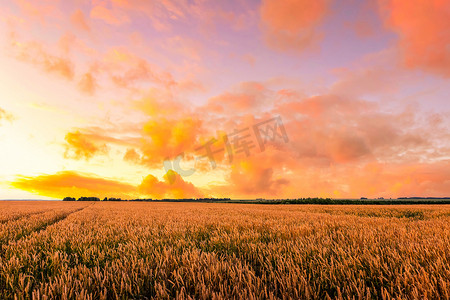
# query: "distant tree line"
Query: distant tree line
423,198
91,199
148,199
81,199
330,201
324,201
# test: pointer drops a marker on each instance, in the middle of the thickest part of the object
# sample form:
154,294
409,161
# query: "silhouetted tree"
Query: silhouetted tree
88,199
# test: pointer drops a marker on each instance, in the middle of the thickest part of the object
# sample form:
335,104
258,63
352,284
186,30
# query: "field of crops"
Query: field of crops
211,251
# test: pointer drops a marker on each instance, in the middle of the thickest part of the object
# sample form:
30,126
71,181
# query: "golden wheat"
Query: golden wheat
214,251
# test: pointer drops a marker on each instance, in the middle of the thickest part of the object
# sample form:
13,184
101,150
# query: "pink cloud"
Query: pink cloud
108,16
79,21
88,83
292,25
34,53
423,32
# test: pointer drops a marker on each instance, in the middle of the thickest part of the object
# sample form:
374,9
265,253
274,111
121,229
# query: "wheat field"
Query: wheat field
99,250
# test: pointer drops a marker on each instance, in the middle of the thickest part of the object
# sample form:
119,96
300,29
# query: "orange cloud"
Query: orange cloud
90,141
66,42
330,135
81,145
255,176
392,179
61,64
290,25
152,187
330,129
127,69
132,156
38,9
108,16
178,188
68,183
422,26
161,102
34,53
79,21
373,179
249,97
279,174
173,186
88,83
331,139
160,138
73,184
165,138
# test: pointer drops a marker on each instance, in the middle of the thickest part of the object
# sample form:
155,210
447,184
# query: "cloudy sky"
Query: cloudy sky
240,99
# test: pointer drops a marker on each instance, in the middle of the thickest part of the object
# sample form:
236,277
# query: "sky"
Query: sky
237,99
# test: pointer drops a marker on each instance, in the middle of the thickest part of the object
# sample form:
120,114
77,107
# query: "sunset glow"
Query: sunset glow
117,98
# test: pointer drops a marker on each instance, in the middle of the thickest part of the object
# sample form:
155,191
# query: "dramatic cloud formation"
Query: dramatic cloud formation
73,184
326,135
168,138
329,134
127,90
423,31
173,186
92,141
69,183
81,145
